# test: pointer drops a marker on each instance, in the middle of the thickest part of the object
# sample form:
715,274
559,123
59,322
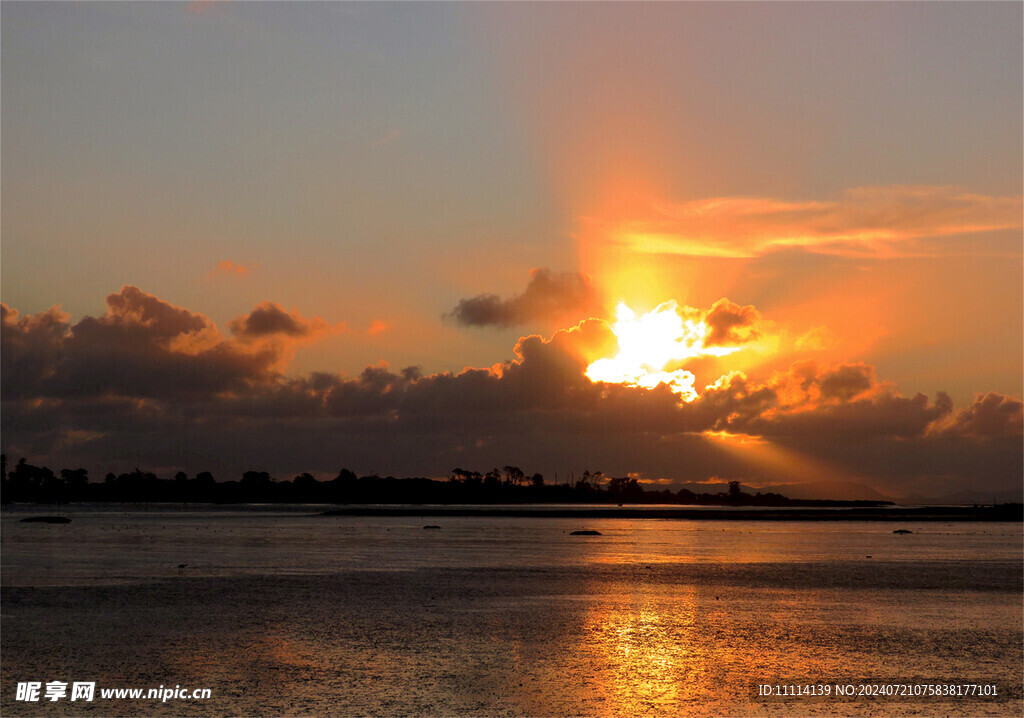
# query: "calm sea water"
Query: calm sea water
283,612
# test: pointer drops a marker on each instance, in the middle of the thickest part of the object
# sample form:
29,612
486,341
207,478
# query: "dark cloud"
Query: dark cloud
569,296
30,348
733,403
990,415
270,319
143,347
154,385
731,324
132,307
846,381
146,347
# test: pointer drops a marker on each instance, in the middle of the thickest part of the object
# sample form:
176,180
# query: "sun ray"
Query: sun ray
770,461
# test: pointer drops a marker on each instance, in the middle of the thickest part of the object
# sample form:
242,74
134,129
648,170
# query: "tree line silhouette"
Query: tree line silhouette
26,483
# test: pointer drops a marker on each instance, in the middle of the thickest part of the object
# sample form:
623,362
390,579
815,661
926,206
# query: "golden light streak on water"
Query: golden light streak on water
649,659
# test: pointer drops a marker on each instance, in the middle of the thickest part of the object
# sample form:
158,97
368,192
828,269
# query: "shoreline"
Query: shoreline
1008,513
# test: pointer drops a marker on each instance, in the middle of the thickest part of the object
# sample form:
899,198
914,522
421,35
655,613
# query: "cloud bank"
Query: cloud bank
144,347
155,385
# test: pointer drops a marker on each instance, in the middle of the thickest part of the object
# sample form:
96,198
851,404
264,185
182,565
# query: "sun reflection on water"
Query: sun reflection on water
650,659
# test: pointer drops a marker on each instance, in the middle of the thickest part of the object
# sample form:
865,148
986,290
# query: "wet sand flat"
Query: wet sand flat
566,626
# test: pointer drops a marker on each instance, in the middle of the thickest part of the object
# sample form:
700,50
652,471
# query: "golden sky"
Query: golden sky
694,242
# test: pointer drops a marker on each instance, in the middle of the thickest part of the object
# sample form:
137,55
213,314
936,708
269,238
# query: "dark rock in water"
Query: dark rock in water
902,531
46,520
585,532
431,527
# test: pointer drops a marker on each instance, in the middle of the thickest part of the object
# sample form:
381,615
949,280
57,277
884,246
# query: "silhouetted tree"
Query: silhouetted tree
256,479
141,476
75,479
458,474
304,480
625,489
38,483
6,493
584,489
513,475
203,487
31,481
686,496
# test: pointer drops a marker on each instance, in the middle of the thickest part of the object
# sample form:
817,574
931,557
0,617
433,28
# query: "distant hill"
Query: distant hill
966,497
855,491
835,490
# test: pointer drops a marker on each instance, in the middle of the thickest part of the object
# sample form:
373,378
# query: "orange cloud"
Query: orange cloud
200,6
731,324
865,221
378,326
229,267
815,339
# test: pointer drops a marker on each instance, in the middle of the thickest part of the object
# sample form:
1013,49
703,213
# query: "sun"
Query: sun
653,346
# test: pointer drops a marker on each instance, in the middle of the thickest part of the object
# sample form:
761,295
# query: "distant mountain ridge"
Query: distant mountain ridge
856,491
967,496
835,490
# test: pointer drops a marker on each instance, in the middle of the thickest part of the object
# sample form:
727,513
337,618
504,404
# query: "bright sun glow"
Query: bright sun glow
650,345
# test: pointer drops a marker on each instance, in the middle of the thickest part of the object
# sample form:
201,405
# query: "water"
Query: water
281,611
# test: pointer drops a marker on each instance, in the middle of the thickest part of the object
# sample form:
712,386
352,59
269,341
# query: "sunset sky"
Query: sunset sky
397,237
